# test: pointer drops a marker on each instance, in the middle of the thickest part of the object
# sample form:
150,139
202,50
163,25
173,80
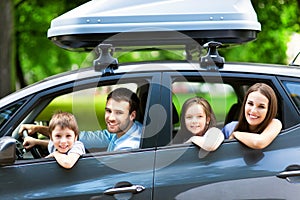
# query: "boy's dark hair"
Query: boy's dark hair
124,94
64,120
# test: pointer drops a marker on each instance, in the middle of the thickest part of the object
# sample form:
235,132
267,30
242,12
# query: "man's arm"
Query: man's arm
31,128
95,139
30,142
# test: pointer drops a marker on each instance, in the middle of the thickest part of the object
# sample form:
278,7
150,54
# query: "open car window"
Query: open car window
221,97
87,105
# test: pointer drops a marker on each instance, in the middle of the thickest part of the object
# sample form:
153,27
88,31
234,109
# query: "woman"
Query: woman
257,126
197,121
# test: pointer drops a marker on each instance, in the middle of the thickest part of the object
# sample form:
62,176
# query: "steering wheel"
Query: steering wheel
36,150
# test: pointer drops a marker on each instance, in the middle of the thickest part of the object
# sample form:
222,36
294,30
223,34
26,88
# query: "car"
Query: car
159,168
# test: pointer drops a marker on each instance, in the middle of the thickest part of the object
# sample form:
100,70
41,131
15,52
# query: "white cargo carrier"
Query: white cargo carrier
155,22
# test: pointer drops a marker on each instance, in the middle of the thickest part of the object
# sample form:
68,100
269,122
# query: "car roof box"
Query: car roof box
155,22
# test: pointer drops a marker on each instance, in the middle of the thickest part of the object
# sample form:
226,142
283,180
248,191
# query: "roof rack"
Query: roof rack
212,60
105,62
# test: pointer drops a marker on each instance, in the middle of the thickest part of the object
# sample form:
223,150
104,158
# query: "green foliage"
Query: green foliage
148,55
40,58
279,19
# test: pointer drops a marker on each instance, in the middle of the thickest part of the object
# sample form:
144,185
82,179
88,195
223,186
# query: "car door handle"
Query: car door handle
291,173
124,189
286,174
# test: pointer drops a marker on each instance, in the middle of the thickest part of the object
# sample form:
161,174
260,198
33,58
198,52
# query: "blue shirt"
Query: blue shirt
228,129
103,138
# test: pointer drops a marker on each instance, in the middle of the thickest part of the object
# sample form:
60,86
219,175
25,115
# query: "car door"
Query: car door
233,171
96,175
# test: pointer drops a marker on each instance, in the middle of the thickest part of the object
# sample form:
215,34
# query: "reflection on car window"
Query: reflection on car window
293,89
6,113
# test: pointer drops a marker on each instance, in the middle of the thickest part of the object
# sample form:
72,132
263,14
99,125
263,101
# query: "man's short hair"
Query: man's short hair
124,94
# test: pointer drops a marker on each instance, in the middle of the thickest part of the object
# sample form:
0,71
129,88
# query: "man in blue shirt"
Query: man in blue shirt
122,133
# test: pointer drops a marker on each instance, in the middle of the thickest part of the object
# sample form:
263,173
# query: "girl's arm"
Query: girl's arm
65,160
210,141
260,141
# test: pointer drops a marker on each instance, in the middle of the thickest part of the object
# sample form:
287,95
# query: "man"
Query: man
122,132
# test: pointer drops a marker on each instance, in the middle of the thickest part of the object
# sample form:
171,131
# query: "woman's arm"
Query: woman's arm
259,141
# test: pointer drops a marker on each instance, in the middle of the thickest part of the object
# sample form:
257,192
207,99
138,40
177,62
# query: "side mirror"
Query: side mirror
7,150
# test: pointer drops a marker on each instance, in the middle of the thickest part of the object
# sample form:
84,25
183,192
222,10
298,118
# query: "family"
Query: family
256,127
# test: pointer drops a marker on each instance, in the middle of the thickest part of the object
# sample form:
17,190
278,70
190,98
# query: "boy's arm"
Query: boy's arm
65,160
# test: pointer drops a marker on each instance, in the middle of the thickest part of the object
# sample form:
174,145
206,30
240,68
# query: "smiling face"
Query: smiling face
63,139
196,119
256,109
117,117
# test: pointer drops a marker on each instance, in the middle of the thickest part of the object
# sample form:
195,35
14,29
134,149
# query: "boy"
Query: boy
63,144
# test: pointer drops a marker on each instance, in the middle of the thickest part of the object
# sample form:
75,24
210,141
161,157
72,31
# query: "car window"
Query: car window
7,112
221,97
87,105
293,89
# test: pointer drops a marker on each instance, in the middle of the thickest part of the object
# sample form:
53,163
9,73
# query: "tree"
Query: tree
36,56
279,19
6,47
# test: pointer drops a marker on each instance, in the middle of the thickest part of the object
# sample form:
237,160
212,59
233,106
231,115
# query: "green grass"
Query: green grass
89,115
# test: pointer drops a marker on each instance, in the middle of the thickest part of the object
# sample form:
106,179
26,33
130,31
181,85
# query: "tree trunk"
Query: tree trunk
7,84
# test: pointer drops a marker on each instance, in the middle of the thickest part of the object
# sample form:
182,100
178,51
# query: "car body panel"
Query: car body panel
231,172
91,176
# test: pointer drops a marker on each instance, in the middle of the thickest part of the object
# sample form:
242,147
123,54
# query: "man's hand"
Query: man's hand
31,129
29,142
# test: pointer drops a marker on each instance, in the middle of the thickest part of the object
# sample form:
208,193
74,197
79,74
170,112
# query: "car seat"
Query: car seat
233,113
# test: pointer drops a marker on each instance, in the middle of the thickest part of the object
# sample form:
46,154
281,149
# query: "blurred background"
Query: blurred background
27,56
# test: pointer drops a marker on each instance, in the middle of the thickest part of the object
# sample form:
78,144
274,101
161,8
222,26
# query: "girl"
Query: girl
198,123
